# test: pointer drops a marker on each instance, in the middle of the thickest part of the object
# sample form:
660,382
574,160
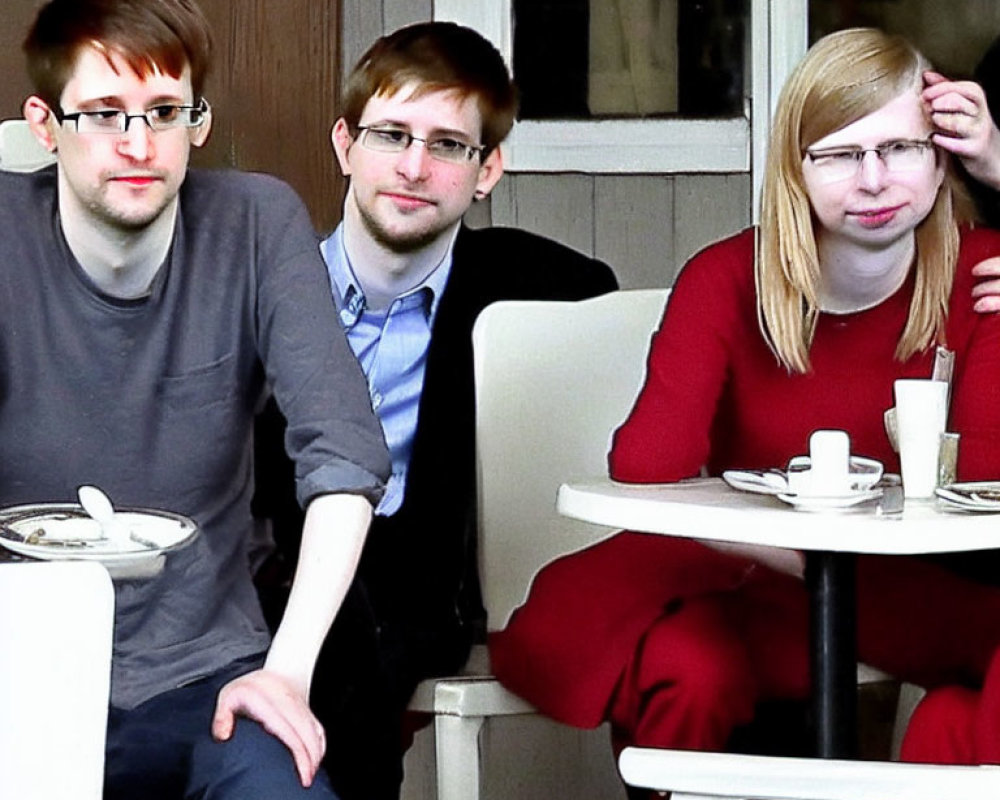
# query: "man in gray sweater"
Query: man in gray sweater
144,310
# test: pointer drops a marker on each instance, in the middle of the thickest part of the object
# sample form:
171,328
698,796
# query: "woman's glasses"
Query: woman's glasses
840,163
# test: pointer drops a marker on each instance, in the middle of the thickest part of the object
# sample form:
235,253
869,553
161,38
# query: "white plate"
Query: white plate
981,496
72,534
821,502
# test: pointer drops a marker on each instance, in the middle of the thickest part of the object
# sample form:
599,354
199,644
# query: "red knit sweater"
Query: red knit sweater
716,396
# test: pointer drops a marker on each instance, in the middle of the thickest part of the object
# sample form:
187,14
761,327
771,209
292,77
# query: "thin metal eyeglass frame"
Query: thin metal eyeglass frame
125,119
471,150
859,153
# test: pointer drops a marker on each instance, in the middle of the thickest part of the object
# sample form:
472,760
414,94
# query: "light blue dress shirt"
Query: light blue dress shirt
391,345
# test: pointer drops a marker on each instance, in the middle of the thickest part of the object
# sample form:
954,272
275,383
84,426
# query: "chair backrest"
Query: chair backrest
56,622
20,151
702,776
553,381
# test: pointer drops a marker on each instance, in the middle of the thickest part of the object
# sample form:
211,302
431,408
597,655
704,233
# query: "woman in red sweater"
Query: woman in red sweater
858,270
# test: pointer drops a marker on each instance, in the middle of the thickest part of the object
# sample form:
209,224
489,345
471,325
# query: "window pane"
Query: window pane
593,59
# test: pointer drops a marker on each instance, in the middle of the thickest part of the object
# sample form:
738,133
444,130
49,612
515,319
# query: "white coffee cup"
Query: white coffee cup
921,416
828,472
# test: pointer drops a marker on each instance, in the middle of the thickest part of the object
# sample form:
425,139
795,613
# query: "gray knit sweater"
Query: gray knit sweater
153,400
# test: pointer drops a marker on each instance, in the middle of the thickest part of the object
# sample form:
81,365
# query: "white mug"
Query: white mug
921,417
828,472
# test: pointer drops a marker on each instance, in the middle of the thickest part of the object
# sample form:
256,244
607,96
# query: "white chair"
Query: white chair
553,380
56,622
19,149
688,775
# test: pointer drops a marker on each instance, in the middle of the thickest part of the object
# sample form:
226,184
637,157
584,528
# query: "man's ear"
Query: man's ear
340,137
490,171
200,134
40,118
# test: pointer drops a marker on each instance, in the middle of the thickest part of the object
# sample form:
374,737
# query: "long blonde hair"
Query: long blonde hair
844,77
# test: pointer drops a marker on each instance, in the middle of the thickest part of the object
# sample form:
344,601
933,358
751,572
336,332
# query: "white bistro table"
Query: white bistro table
708,509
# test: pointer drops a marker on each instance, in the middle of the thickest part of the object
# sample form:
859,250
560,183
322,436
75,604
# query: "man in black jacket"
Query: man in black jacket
424,113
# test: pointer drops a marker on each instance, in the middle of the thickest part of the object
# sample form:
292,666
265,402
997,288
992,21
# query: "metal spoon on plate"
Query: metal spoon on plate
96,503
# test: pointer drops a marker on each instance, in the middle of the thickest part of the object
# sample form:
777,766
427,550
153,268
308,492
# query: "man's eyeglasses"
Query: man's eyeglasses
158,118
395,140
841,163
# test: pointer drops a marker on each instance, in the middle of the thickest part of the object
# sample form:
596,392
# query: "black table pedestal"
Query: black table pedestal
830,579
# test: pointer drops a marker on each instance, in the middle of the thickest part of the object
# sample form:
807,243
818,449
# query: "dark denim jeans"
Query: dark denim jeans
163,750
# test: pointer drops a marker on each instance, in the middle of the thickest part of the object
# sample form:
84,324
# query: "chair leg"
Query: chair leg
456,743
909,696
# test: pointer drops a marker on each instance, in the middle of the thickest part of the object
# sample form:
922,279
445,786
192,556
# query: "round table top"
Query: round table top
707,508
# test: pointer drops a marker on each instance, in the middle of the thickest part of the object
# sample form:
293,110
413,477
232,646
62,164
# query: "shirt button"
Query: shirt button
376,401
347,317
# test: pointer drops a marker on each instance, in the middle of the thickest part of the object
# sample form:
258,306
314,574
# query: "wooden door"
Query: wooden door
275,89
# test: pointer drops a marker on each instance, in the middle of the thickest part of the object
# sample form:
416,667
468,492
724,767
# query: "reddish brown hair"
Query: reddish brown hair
150,35
437,56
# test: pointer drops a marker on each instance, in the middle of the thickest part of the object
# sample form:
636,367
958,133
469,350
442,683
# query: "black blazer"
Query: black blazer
419,567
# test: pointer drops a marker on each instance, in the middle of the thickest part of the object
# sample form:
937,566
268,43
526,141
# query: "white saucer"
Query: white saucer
826,502
865,473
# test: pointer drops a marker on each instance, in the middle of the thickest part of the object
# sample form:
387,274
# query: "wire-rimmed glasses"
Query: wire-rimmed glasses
163,117
840,163
396,140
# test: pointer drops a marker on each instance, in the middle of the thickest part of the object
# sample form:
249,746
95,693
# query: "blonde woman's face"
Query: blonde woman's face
877,197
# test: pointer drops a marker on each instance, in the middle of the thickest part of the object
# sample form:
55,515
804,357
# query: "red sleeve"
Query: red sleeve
668,432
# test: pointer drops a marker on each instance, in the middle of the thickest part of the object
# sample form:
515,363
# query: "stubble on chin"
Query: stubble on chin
401,243
125,222
120,216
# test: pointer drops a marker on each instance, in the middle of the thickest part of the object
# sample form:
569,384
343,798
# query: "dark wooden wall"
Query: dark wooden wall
17,16
274,86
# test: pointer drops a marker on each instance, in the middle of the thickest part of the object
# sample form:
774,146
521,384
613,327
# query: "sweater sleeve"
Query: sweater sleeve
333,435
667,435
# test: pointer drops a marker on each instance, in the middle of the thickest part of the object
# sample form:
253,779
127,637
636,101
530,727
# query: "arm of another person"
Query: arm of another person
277,695
975,404
964,126
986,293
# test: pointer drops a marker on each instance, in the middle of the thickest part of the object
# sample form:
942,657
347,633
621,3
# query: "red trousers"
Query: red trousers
708,650
957,725
701,667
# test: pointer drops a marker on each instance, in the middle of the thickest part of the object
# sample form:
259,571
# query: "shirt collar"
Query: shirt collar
347,291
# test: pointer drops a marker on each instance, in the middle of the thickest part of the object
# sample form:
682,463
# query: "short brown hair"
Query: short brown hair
164,35
438,56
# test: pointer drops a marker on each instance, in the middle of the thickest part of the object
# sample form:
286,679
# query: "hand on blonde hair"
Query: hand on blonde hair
963,125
